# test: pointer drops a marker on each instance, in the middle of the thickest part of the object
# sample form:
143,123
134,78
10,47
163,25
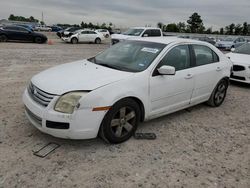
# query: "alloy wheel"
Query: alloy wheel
123,122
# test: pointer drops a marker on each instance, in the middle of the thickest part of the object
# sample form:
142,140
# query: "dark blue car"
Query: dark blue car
18,33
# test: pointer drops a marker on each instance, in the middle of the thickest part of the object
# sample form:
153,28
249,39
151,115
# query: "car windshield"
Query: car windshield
243,49
130,56
133,32
228,39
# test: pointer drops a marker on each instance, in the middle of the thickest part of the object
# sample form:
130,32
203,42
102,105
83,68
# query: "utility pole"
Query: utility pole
42,18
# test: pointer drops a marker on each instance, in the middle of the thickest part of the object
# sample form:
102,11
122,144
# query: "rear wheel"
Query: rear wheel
219,94
98,41
74,40
121,121
3,38
38,40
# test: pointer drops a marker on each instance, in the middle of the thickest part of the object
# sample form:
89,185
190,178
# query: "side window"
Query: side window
155,33
11,28
92,32
204,55
147,32
177,57
22,29
84,32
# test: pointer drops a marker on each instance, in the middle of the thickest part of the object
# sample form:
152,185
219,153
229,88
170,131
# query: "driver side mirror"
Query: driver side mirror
166,70
145,35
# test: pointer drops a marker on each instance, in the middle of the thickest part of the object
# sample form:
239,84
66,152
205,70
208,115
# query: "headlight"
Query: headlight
68,102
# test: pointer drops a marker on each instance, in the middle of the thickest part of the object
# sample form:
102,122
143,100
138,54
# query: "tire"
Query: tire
74,40
3,38
120,122
38,40
107,36
98,40
219,94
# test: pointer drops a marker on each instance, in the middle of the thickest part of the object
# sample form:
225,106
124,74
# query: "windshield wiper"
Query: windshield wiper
109,66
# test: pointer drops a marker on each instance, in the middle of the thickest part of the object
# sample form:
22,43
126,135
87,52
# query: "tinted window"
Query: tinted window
22,29
156,33
92,32
244,49
84,32
177,57
204,55
11,28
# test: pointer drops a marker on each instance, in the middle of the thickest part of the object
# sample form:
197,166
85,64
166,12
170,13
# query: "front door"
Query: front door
169,93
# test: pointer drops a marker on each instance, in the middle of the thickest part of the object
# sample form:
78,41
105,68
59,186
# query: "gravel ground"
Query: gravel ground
198,147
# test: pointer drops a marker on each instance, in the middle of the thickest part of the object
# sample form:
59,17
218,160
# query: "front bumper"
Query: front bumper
66,39
82,124
242,74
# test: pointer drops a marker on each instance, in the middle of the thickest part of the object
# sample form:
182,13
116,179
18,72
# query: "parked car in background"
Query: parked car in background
105,32
42,28
67,32
84,36
115,31
17,33
230,42
55,28
241,63
136,32
205,39
133,81
29,27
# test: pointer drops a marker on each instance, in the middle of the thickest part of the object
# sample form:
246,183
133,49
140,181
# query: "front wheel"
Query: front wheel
98,41
121,121
74,41
219,94
38,40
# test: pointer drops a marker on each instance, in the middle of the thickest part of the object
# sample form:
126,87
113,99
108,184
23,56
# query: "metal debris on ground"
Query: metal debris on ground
146,136
46,150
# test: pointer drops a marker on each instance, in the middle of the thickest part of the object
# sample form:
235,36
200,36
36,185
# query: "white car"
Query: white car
105,32
43,28
84,36
230,42
241,63
133,81
136,32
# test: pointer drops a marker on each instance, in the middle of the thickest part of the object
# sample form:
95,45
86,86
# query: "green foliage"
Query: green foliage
196,23
12,17
172,28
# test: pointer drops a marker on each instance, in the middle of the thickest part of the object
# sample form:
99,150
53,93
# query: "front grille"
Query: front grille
238,68
238,77
41,97
35,118
114,41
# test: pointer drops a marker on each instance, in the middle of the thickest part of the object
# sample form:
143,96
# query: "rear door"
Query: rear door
208,71
92,36
169,93
24,34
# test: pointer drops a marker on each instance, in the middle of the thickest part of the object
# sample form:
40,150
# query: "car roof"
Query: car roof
166,40
144,28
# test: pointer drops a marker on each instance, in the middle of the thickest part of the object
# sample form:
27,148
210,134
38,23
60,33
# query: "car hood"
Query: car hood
80,75
121,36
239,58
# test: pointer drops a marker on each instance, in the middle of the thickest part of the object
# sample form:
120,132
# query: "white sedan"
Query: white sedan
105,32
241,63
84,36
133,81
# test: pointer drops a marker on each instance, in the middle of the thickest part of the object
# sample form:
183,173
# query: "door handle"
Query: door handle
189,76
218,69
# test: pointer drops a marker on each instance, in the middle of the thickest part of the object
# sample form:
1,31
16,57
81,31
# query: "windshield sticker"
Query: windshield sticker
150,50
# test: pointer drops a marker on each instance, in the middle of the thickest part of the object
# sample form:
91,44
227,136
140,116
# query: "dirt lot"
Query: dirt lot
199,147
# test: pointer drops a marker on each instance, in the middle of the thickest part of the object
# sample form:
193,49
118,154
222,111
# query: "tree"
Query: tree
222,31
238,29
160,25
245,28
195,23
209,30
230,29
11,17
181,27
172,28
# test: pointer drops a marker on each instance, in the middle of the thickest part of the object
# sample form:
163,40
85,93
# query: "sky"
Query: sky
127,13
